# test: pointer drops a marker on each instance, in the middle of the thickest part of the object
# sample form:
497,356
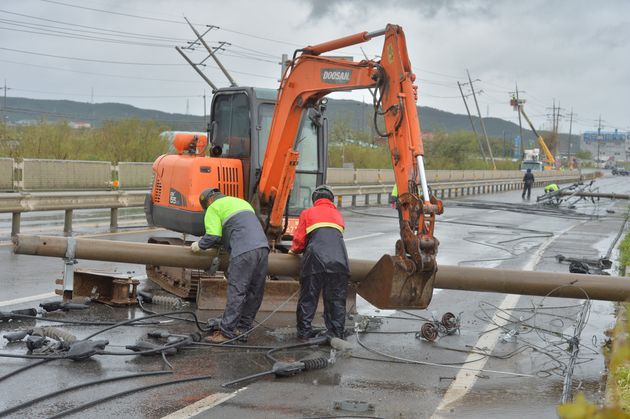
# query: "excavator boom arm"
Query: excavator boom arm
310,77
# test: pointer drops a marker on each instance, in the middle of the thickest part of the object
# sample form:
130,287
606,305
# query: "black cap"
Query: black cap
207,194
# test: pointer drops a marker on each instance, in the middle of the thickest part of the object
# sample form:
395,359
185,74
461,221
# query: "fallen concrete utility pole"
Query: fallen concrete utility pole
595,195
597,287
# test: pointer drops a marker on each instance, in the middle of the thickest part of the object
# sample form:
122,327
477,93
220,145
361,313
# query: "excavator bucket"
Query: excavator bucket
394,283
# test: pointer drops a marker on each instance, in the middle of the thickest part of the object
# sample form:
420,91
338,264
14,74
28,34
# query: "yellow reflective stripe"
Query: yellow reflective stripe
320,225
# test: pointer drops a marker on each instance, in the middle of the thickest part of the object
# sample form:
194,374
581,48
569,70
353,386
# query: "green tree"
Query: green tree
584,155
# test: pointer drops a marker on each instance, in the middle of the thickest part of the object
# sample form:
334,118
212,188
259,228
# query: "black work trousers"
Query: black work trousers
527,188
335,290
246,277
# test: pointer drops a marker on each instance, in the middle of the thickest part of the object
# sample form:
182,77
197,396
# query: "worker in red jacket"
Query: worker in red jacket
319,235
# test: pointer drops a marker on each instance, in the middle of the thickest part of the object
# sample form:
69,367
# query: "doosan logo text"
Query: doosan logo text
336,76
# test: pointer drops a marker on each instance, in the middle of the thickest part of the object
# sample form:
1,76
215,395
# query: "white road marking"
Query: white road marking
465,379
202,405
363,237
27,299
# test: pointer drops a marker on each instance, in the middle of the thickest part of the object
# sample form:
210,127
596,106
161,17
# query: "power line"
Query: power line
97,73
11,109
97,30
421,95
87,59
114,13
436,73
60,34
107,96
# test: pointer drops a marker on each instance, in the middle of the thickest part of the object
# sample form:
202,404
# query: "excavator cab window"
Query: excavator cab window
311,145
231,114
265,117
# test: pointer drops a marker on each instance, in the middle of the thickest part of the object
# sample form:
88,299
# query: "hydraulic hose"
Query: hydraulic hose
22,369
78,387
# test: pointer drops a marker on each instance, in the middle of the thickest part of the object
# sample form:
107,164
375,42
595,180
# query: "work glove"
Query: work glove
195,248
291,252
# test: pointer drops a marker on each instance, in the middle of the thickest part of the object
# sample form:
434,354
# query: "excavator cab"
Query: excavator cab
230,156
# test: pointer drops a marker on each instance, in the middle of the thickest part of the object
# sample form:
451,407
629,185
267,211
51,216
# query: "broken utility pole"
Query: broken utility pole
211,54
483,126
483,153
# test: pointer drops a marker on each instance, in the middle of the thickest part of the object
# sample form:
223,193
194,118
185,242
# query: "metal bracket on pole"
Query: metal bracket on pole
211,52
68,268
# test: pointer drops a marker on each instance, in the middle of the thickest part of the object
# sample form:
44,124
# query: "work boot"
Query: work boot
242,335
306,336
214,324
217,337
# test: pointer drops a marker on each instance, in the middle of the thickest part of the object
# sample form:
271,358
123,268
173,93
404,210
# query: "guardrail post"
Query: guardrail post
113,219
67,223
18,176
15,223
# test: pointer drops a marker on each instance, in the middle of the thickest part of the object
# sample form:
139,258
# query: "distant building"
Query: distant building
607,145
77,125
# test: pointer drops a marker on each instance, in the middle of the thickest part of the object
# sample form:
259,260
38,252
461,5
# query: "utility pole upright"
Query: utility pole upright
483,126
569,150
3,114
599,136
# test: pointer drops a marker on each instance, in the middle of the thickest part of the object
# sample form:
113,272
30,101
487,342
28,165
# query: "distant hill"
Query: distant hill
23,110
359,115
431,119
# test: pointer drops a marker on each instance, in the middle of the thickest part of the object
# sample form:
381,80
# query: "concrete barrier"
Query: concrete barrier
339,176
368,176
134,175
65,175
6,174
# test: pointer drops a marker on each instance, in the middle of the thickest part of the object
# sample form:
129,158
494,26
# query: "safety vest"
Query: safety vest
552,187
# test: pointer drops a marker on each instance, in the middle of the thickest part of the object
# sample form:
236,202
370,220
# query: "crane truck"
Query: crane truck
531,158
270,148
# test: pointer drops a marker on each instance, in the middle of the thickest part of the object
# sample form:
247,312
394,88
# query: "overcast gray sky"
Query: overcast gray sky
577,52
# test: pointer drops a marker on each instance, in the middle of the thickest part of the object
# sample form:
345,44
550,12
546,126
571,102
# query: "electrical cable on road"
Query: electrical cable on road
515,327
433,364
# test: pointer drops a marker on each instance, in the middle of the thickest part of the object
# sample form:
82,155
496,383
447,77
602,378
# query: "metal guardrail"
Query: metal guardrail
40,174
19,202
445,190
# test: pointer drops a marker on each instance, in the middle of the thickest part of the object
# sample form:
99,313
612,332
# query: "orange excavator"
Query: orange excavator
271,150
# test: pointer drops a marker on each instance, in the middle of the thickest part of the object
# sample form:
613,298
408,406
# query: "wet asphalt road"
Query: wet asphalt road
466,381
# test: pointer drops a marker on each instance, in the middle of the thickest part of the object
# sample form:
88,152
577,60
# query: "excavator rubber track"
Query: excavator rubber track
183,282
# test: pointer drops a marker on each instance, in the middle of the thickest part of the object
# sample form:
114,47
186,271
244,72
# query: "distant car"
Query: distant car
615,171
623,172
